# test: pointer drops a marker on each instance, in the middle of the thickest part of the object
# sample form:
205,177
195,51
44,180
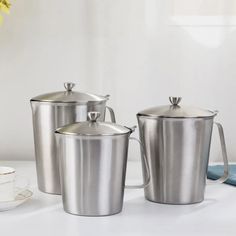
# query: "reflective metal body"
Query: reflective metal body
93,167
47,117
93,174
177,151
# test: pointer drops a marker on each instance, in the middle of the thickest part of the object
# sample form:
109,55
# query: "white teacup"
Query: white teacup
7,183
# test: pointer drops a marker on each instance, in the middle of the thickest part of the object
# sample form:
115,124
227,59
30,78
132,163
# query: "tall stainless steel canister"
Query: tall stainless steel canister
93,158
177,142
54,110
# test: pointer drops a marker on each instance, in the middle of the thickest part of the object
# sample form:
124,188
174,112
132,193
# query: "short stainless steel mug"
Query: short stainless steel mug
93,158
177,142
54,110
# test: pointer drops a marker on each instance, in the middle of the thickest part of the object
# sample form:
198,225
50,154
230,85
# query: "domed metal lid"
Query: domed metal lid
176,111
92,127
69,96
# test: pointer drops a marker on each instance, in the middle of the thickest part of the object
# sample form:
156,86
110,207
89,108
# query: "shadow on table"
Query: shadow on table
144,207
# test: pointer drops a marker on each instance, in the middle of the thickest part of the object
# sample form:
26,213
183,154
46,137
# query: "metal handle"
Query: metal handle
69,86
112,114
144,160
225,176
175,100
93,116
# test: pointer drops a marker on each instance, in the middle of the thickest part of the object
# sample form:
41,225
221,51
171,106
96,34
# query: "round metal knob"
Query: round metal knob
69,86
93,116
175,100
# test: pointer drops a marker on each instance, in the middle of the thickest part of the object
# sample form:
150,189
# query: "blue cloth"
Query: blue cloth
215,172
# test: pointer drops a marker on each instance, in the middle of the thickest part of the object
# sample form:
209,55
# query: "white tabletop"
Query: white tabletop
43,214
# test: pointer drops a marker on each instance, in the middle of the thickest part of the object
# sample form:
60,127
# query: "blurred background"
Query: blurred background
139,52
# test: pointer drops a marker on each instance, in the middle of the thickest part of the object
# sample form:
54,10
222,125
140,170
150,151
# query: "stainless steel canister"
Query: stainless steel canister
54,110
93,158
177,142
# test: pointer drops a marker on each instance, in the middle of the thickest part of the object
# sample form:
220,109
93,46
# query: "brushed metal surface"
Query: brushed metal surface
93,159
47,117
176,111
69,96
178,152
93,173
93,127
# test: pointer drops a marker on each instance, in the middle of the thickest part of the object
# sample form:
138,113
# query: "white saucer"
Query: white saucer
19,199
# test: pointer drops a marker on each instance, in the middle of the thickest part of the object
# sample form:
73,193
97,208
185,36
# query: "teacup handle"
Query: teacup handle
225,176
22,188
147,170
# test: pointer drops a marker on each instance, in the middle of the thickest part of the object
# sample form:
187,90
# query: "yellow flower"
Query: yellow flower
4,7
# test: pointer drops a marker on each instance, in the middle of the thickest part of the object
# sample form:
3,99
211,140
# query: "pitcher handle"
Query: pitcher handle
112,114
225,176
144,160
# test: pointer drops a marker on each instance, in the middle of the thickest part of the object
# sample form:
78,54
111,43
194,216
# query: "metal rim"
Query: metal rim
69,103
179,117
92,135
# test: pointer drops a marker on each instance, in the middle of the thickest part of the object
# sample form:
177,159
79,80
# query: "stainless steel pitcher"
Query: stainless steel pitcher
93,158
54,110
177,142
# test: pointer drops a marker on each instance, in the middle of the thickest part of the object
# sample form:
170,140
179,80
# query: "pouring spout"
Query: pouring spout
132,128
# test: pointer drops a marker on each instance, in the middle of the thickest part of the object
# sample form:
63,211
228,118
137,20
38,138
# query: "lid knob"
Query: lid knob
69,86
175,100
93,116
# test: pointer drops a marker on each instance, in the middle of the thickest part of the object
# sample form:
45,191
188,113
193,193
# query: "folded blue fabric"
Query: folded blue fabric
215,172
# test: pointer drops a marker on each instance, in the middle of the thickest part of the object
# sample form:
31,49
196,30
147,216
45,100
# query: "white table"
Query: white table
43,214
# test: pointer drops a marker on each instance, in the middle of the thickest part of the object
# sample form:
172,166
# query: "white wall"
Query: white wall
126,48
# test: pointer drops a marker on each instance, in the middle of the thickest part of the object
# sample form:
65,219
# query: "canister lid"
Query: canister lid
176,111
93,127
69,96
